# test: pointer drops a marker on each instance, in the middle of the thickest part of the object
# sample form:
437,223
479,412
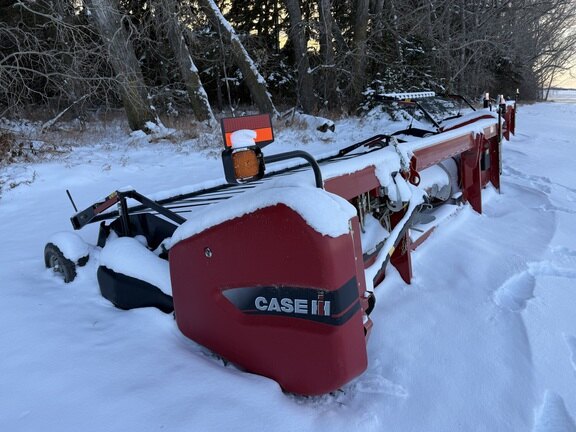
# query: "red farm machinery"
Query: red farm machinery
275,270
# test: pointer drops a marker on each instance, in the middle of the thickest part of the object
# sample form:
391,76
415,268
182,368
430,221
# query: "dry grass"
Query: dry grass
11,148
20,147
6,140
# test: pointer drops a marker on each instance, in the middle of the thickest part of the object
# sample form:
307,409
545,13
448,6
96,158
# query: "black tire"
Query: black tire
55,259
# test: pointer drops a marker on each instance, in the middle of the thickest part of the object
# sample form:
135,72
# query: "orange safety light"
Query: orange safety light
243,165
246,163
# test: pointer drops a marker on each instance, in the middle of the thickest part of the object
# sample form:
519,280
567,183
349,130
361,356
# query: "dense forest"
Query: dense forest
164,57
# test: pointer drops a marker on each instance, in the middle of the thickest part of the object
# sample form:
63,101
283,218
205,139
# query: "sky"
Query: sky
567,79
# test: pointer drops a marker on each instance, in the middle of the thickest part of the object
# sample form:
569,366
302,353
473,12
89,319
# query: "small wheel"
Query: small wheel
55,259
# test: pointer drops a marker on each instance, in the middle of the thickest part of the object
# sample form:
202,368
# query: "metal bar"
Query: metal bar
72,201
79,220
155,206
375,138
462,98
123,210
301,154
427,114
91,213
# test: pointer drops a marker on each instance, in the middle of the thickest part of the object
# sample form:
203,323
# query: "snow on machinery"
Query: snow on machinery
275,271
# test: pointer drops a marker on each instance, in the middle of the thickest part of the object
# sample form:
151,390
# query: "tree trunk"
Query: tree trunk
188,70
359,56
341,44
123,59
327,54
297,36
377,6
255,82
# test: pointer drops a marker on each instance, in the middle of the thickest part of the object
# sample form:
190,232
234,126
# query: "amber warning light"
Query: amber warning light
246,163
243,164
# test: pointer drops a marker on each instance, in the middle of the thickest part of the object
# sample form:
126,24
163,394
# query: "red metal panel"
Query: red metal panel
428,156
470,175
512,122
491,131
401,258
349,186
360,271
510,118
423,237
271,249
480,117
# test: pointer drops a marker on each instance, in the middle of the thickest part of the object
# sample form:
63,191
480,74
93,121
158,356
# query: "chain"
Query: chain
403,164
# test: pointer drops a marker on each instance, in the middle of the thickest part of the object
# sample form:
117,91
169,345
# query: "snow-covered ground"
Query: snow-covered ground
562,96
483,340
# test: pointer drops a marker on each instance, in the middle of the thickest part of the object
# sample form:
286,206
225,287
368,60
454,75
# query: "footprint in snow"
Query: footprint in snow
373,383
553,415
515,292
548,268
533,178
564,251
551,207
542,183
571,342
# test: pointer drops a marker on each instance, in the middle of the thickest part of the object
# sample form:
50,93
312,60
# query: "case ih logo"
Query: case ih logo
288,305
329,307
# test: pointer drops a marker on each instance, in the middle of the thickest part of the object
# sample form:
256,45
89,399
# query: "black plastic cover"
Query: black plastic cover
126,292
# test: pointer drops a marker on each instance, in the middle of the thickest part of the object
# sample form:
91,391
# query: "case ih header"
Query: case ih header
276,271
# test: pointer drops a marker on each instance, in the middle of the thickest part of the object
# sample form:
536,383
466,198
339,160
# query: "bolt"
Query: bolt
208,252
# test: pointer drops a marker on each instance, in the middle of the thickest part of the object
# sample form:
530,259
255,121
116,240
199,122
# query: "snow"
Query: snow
441,180
448,124
553,416
562,95
416,198
193,67
243,138
312,204
440,215
473,128
70,244
322,124
129,256
484,339
434,175
372,235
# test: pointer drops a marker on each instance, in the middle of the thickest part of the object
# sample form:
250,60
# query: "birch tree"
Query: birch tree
254,81
108,21
327,54
188,71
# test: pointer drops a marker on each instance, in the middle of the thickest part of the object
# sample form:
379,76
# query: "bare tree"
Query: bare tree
297,35
359,54
254,81
109,22
188,71
68,55
327,54
49,55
